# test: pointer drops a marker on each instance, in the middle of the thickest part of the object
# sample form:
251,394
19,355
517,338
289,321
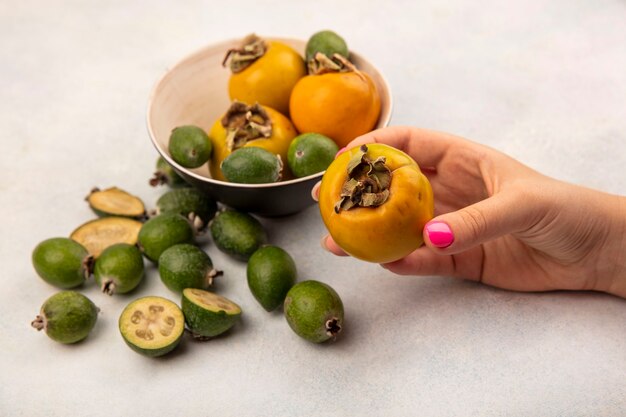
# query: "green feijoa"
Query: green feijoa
271,273
165,174
237,234
314,311
119,269
186,266
252,165
190,146
67,317
62,262
115,202
207,314
163,231
190,203
152,326
328,43
310,153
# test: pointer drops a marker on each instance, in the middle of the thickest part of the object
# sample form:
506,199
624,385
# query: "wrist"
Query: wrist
615,250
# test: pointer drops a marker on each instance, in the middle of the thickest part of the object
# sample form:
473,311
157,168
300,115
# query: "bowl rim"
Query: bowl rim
191,56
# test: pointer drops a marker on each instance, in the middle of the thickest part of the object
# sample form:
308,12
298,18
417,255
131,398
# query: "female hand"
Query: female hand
504,224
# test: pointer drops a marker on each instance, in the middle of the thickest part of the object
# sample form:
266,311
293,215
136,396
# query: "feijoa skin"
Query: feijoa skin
271,272
162,232
190,146
328,43
152,326
237,233
311,153
67,317
186,266
207,314
190,203
62,262
166,175
119,269
314,311
252,165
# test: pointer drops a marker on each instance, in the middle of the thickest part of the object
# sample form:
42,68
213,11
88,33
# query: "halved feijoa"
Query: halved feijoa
314,311
165,174
271,272
62,262
67,317
115,202
152,326
163,231
97,235
190,203
237,233
252,165
119,269
186,266
208,314
190,146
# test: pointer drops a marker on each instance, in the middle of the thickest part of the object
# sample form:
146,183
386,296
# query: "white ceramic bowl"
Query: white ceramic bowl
195,91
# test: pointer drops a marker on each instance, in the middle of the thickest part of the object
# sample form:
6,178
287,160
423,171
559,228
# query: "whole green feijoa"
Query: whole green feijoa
252,165
152,326
163,231
190,146
67,317
271,272
119,269
310,153
186,266
165,174
207,314
328,43
62,262
314,311
190,203
237,234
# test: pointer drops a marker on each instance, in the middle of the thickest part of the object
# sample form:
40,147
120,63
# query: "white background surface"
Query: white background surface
542,81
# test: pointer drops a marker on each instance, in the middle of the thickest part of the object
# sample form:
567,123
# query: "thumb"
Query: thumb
496,216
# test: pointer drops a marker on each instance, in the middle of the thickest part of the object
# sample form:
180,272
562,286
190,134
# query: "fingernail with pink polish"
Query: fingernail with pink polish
340,151
439,234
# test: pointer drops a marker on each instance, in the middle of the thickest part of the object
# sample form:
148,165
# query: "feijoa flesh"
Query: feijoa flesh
310,153
162,232
165,174
252,165
190,146
314,311
119,269
67,317
62,262
207,314
328,43
115,202
97,235
197,206
237,233
152,326
271,272
186,266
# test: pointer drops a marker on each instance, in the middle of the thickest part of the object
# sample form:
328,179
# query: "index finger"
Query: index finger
427,147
